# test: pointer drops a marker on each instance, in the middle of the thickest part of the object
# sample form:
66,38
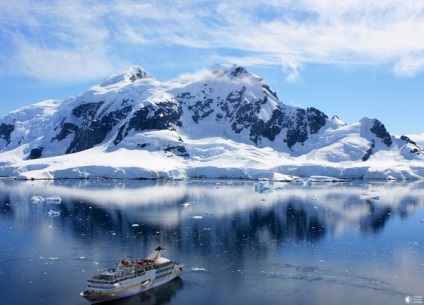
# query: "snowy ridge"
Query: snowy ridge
222,122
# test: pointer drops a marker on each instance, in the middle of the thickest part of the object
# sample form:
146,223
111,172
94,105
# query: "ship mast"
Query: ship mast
155,255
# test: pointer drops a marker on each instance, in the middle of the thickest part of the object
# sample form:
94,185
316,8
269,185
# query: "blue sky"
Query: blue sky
348,58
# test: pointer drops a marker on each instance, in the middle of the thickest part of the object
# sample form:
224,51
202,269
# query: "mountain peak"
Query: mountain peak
136,72
131,74
231,71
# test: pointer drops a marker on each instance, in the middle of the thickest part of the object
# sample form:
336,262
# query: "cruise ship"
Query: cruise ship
129,277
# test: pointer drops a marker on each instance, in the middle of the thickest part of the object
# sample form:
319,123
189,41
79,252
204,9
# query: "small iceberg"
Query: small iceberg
54,199
369,197
37,199
53,213
263,187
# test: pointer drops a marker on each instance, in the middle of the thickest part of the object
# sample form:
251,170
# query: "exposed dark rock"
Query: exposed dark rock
316,119
408,140
244,114
417,148
238,71
87,110
201,109
245,117
66,129
232,102
164,115
256,131
94,131
120,136
380,131
143,145
185,95
178,150
6,131
156,118
36,153
369,151
274,125
268,89
297,132
138,73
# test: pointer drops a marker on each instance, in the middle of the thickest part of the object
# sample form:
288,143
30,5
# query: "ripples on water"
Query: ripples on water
242,243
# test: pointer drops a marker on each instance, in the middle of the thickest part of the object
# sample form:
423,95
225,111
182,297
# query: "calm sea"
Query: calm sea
242,243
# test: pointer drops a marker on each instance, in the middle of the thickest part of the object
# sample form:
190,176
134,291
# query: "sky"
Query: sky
351,58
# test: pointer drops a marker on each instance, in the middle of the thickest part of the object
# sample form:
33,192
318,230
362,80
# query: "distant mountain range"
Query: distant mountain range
222,122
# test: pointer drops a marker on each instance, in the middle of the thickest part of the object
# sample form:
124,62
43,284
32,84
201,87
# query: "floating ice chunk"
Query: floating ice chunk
54,199
53,213
263,187
369,197
37,199
135,225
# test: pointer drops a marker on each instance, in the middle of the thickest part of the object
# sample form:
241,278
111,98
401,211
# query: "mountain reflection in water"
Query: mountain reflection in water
292,234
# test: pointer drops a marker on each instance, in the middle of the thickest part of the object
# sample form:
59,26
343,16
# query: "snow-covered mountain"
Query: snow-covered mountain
219,122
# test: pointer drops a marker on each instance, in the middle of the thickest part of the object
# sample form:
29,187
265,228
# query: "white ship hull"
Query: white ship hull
130,278
108,295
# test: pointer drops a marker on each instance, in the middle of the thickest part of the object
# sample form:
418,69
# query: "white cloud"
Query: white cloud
410,64
58,65
292,72
70,36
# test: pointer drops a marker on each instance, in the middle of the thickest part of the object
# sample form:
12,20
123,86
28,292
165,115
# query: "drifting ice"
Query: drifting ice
37,199
54,199
368,197
53,213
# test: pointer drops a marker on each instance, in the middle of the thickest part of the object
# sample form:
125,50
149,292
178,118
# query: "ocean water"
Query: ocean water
241,242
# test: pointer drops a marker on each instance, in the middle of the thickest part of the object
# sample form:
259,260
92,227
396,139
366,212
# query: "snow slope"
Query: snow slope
222,122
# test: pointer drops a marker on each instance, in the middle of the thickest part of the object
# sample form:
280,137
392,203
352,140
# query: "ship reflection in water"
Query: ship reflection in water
242,242
159,295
